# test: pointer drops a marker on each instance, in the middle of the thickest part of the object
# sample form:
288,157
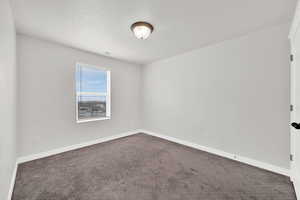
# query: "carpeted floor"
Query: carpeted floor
142,167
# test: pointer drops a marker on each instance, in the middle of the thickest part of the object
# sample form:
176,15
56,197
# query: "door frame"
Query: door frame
292,36
292,113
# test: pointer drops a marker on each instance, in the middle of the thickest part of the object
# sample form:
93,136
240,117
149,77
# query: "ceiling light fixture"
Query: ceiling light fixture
142,30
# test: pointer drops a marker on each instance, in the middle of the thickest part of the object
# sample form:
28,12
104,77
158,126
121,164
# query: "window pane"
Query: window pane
91,106
91,80
91,91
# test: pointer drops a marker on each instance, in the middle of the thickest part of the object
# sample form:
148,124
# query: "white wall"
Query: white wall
47,97
8,97
232,96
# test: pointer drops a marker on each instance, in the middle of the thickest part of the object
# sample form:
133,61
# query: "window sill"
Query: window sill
91,120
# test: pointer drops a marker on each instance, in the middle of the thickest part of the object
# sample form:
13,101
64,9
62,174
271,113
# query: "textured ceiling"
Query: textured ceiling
101,26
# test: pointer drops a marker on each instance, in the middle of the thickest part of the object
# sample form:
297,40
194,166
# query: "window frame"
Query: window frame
78,65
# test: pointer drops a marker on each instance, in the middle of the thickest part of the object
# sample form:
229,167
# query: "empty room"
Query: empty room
149,100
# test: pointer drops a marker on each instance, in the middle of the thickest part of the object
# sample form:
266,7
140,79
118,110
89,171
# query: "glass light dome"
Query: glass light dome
142,30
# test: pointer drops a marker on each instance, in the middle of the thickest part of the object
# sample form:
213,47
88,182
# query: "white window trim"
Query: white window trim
108,95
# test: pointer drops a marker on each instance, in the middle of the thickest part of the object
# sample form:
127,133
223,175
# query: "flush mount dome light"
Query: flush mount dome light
142,30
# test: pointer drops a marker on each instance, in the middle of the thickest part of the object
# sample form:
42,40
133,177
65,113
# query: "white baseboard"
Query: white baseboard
12,182
73,147
61,150
297,188
294,176
241,159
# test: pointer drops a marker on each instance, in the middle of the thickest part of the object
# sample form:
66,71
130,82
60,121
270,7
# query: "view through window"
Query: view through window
92,93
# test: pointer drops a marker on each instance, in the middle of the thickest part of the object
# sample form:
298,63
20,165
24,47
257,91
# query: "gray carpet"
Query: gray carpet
143,167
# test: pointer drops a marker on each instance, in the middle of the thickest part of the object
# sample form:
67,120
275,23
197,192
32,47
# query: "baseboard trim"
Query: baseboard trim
294,176
12,182
242,159
231,156
73,147
297,188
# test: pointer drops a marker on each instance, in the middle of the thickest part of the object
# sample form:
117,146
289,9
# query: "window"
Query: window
92,93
